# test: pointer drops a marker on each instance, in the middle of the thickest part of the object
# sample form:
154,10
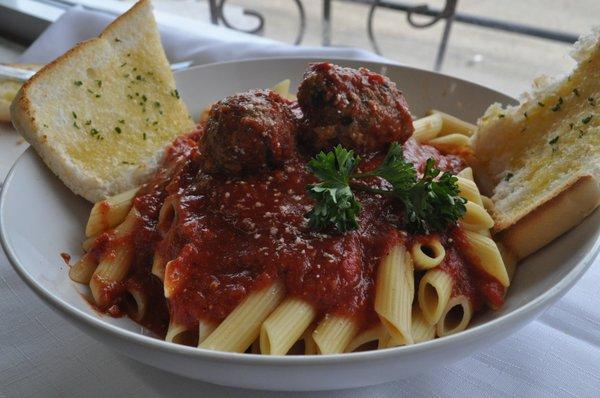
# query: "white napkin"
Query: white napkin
212,44
43,355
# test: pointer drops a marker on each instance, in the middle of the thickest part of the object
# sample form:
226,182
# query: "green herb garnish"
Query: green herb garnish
586,119
431,203
118,130
576,92
508,176
554,140
541,104
78,83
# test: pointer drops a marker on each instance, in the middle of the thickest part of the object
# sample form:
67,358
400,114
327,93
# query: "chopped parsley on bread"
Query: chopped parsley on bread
540,160
101,115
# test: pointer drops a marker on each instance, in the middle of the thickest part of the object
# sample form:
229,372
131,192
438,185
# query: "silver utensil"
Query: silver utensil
9,72
22,75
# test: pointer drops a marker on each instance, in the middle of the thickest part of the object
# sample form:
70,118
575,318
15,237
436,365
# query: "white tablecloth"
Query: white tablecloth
43,355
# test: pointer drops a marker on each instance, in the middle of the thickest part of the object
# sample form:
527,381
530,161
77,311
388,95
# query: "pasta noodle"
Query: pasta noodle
453,125
242,326
109,213
427,255
434,292
488,256
83,269
427,128
476,218
394,293
369,335
421,329
451,143
456,316
333,334
285,326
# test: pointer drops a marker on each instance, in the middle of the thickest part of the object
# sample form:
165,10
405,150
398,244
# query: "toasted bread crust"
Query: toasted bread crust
97,172
552,218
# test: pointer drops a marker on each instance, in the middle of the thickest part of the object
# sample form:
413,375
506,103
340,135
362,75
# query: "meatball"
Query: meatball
358,108
248,132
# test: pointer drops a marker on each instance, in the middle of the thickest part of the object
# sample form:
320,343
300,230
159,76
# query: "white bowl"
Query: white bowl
40,218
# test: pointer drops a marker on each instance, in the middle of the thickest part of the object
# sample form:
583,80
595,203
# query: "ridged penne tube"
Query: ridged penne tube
450,143
167,214
468,190
421,329
88,243
452,124
114,265
366,336
83,269
109,212
158,266
488,204
488,256
434,292
283,88
242,325
140,300
180,334
333,334
466,173
427,128
310,347
427,254
394,293
385,341
456,316
112,268
285,326
476,218
205,328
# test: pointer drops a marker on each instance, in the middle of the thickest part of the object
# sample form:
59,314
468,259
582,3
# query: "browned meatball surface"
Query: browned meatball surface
247,132
358,108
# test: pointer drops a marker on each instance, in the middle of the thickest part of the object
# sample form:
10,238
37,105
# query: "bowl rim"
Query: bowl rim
527,310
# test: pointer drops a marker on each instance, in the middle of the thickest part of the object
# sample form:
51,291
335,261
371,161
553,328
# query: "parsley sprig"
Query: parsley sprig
431,203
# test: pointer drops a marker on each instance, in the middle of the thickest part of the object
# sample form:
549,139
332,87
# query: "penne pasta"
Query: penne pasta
180,334
109,212
205,328
488,256
469,190
114,266
158,266
310,347
456,316
434,292
427,254
369,335
476,218
333,334
453,125
467,174
83,269
88,243
451,143
427,128
140,303
237,332
285,326
395,289
421,330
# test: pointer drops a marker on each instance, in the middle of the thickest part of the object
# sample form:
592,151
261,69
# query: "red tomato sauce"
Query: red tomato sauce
230,236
